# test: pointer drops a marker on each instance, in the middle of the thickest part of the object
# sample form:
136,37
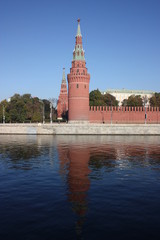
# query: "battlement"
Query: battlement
110,114
123,109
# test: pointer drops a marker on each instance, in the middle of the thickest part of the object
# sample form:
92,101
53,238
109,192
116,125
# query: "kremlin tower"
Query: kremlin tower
62,105
78,84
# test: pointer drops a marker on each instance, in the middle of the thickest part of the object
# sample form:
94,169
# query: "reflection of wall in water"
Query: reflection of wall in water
105,150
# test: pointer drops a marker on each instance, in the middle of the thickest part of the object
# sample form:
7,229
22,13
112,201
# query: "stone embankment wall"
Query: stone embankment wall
81,129
124,115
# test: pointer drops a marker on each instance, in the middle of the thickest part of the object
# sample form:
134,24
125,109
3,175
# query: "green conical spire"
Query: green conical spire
78,29
78,52
63,76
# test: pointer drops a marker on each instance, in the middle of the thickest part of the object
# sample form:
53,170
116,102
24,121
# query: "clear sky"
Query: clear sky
121,39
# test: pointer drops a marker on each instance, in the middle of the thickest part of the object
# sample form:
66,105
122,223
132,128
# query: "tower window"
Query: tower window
77,85
85,86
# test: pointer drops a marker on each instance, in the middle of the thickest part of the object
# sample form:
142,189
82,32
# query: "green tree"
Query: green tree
24,108
155,100
3,107
47,110
17,109
133,101
97,99
110,100
36,110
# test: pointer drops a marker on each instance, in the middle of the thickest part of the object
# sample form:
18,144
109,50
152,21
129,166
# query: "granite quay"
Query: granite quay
80,129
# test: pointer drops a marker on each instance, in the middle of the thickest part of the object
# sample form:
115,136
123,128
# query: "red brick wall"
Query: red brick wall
124,115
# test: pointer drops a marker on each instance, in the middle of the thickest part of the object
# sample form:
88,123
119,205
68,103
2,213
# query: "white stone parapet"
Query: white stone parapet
80,129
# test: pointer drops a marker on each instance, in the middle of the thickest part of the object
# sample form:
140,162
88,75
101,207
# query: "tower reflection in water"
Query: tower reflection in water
82,157
74,164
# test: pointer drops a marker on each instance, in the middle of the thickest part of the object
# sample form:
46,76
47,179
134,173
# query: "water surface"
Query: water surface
79,187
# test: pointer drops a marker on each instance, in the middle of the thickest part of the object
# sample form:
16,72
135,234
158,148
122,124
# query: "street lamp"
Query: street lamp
51,112
3,114
145,114
111,112
43,110
145,103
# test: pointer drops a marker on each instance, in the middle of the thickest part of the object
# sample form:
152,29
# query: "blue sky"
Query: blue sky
121,39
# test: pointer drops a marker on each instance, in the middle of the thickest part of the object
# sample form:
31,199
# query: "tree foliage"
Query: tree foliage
25,108
155,100
133,101
97,99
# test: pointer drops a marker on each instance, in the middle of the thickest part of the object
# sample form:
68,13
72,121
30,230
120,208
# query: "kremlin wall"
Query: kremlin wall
76,101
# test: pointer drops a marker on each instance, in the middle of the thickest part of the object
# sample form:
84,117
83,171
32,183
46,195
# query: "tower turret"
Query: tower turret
78,84
62,105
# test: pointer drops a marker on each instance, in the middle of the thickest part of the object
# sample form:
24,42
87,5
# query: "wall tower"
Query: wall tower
62,105
78,84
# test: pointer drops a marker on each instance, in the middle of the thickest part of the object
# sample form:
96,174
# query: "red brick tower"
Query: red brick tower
62,105
78,84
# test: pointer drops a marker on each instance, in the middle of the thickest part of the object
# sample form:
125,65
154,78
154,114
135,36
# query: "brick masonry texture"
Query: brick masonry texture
124,115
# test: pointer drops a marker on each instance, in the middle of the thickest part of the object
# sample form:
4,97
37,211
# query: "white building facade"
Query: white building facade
121,94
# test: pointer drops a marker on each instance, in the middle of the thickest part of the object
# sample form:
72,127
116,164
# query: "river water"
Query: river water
79,187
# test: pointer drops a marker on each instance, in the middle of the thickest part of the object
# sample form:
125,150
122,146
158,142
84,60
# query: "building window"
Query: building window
77,85
85,86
